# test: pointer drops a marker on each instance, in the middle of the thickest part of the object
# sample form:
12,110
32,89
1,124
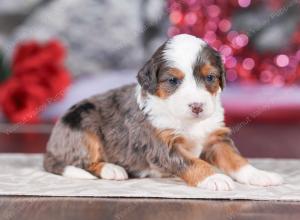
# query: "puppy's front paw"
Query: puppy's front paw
111,171
252,176
217,182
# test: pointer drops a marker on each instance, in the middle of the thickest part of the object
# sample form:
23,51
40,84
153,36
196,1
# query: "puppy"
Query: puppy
170,124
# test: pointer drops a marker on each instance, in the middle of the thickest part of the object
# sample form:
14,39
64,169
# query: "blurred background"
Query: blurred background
54,53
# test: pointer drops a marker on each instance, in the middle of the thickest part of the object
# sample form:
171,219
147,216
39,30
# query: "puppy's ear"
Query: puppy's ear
147,76
223,76
220,65
215,58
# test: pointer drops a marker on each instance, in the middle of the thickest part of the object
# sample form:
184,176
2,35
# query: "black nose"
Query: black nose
196,107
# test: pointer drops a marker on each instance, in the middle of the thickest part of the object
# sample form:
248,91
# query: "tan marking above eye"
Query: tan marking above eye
207,69
176,73
163,88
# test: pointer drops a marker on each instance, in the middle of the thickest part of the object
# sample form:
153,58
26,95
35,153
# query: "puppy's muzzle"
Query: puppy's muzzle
196,107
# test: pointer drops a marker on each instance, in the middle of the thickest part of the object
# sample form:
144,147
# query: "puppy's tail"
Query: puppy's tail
52,165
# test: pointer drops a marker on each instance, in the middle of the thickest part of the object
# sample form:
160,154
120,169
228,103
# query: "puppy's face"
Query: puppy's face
185,77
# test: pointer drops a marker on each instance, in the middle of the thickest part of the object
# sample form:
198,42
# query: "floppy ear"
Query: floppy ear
223,76
147,76
219,63
216,59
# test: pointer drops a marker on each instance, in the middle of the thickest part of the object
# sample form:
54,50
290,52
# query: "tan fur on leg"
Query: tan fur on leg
220,151
196,172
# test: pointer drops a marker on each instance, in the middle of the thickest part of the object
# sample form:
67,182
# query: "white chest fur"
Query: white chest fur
199,132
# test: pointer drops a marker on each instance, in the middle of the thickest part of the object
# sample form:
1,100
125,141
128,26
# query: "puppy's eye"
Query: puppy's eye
210,78
173,81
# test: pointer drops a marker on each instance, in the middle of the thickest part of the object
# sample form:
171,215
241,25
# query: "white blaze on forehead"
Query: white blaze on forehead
182,50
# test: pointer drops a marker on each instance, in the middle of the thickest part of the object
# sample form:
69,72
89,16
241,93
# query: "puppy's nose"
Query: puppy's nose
196,107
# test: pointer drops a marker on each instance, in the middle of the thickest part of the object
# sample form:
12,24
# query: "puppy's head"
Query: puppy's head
185,77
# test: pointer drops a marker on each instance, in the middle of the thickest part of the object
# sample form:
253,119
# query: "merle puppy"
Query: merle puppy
169,124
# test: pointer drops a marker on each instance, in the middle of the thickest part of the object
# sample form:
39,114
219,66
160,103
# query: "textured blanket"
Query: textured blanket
22,174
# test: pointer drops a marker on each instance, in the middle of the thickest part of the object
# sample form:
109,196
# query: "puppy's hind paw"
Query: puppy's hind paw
217,182
111,171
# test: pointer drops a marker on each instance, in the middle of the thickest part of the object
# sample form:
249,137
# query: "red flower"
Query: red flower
38,75
31,54
55,78
23,102
45,61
